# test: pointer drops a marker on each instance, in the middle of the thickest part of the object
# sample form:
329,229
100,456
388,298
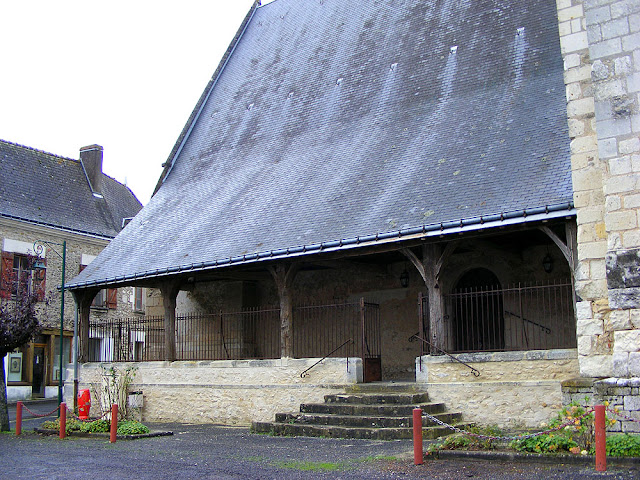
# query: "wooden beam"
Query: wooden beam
560,244
413,258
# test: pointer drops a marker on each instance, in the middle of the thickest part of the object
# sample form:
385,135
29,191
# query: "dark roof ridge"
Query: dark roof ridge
37,150
193,118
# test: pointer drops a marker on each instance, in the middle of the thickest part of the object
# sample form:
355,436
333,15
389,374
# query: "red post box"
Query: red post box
84,404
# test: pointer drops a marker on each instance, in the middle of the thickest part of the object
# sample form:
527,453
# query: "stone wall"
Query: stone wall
623,395
228,392
600,42
514,389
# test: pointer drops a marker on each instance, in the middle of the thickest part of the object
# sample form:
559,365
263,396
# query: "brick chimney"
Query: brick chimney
91,160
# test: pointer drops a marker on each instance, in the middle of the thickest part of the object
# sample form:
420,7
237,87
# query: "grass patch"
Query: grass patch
305,466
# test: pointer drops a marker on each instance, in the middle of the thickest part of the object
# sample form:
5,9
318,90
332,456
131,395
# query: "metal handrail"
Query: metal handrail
546,329
474,371
304,373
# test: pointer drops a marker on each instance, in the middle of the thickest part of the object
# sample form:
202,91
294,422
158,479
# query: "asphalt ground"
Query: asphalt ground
216,452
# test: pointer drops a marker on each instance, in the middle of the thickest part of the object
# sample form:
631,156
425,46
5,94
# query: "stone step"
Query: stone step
363,421
332,431
386,387
378,398
390,410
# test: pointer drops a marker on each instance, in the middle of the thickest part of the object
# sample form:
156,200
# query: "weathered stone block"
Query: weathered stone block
607,148
623,65
634,317
624,297
591,326
580,107
598,15
613,203
618,221
626,341
576,42
596,366
619,320
621,364
585,345
592,250
620,165
623,268
605,48
629,146
634,364
613,127
583,310
570,13
572,60
620,184
615,28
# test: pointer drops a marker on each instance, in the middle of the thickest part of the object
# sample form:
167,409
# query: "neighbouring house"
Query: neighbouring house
47,201
382,182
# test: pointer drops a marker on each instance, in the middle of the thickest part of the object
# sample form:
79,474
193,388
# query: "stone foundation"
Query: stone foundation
622,394
514,389
227,392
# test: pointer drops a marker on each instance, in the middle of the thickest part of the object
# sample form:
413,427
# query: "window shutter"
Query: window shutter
112,298
5,274
40,276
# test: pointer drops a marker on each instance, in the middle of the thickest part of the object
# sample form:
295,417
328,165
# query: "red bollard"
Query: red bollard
114,423
417,436
63,420
601,439
19,418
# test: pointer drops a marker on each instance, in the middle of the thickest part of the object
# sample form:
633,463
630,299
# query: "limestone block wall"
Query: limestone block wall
228,392
600,43
622,394
514,389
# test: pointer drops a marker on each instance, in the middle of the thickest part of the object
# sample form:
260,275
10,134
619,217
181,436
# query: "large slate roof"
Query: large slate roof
50,190
335,119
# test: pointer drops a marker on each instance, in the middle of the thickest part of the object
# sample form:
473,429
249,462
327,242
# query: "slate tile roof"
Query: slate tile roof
334,119
47,189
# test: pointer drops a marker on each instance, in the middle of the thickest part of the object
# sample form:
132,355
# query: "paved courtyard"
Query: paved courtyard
215,452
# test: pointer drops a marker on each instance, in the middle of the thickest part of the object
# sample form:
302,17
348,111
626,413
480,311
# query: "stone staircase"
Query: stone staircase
377,411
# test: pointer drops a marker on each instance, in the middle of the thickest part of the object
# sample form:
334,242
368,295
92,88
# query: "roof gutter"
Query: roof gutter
423,232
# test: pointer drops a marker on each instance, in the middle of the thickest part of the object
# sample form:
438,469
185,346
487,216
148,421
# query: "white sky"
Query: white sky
124,74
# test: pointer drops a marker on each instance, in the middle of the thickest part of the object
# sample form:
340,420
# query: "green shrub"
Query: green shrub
97,426
623,445
72,425
547,443
131,427
461,441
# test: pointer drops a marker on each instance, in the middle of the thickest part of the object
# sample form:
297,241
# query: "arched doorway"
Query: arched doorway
477,312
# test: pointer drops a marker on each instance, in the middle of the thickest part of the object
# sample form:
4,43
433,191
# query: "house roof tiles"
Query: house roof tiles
47,189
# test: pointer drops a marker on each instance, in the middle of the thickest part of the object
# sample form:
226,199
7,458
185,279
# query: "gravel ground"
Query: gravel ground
214,452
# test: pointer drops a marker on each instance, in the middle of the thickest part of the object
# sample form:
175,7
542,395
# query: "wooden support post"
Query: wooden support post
83,299
430,267
169,290
283,275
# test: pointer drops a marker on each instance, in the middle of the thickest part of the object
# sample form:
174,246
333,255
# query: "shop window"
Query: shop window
66,358
17,365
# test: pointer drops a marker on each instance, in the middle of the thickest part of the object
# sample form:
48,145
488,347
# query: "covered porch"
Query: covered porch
501,301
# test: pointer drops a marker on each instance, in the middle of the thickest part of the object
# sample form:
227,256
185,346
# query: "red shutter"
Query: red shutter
40,276
6,275
112,298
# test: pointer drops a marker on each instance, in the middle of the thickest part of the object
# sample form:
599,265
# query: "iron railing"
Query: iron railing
518,317
249,334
